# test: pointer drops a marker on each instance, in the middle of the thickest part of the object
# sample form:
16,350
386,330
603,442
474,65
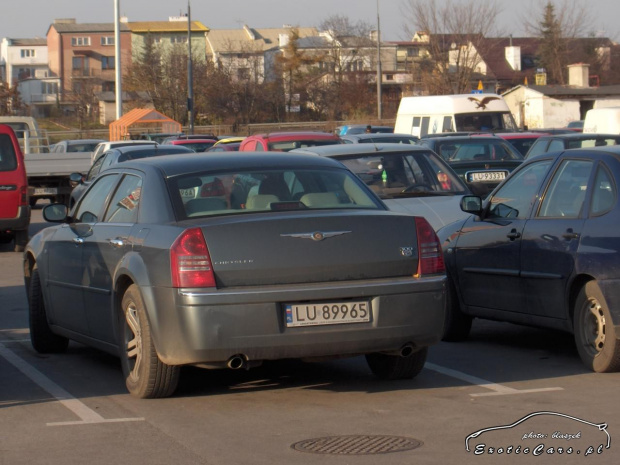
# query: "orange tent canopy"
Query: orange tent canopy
145,118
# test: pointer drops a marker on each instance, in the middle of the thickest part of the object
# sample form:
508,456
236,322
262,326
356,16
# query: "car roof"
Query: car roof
190,163
374,135
191,141
519,135
137,149
359,149
581,136
296,135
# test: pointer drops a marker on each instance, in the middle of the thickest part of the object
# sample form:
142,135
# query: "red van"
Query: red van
14,206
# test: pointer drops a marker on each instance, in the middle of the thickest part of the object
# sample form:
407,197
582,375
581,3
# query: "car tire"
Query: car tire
457,324
146,376
21,239
42,338
595,337
390,367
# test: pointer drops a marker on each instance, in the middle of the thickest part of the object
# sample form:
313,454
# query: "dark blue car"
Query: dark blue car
543,250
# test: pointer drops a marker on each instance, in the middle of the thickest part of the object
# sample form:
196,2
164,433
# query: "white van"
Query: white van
434,114
602,121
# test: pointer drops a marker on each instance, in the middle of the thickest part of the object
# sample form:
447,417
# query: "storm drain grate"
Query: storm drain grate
357,445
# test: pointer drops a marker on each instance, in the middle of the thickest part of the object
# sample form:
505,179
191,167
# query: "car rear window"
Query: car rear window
243,192
286,146
8,160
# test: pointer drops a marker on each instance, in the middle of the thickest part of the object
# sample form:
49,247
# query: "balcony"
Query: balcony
92,73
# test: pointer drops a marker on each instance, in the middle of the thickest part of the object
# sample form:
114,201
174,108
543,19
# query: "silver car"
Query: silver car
230,260
409,179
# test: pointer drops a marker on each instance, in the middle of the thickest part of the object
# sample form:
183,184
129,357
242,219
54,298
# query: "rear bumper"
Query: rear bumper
193,326
20,222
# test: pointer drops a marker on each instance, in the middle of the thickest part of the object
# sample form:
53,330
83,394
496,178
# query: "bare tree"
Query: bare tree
10,101
456,38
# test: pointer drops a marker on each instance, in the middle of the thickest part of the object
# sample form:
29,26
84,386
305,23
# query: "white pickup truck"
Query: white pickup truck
48,174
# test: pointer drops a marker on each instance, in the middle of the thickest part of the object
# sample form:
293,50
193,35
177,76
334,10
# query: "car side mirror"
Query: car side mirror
471,204
55,213
75,179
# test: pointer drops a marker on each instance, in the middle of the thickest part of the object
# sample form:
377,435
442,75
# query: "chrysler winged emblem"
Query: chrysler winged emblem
317,235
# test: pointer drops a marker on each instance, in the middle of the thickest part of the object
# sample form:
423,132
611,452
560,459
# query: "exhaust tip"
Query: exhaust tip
406,351
236,362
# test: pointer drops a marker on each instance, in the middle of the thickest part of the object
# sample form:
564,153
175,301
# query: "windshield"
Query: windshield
487,121
405,174
243,192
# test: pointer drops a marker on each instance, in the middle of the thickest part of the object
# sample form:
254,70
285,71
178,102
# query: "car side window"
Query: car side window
91,204
124,205
537,148
516,196
604,193
567,190
556,146
94,170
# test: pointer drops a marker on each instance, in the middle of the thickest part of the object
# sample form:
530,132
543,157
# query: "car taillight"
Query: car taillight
190,262
430,256
23,196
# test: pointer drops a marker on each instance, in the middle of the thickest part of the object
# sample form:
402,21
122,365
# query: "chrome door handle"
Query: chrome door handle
117,243
570,234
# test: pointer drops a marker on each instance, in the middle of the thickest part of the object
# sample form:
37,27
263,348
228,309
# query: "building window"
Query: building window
109,40
178,39
107,62
80,41
25,73
157,39
108,86
27,53
49,88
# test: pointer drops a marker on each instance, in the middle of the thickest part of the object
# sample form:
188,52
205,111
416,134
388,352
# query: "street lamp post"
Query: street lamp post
379,73
117,60
190,77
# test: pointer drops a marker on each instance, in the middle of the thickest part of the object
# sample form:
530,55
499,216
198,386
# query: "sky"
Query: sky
32,18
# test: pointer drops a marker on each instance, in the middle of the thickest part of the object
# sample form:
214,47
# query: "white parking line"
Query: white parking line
86,415
498,389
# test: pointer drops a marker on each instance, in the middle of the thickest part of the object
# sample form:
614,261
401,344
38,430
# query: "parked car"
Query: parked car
543,250
14,205
576,126
105,146
118,155
188,136
77,145
572,140
522,141
285,141
484,159
374,138
228,147
409,179
157,266
158,137
350,129
196,145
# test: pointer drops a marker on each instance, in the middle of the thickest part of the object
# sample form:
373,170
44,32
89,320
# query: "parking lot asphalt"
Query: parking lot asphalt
509,394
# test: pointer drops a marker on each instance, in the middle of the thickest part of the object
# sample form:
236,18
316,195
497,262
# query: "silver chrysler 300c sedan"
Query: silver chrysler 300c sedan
230,260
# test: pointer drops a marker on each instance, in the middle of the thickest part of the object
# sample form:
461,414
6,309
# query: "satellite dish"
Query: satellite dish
453,46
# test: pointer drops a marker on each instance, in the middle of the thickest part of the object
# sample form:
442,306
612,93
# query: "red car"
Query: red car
285,141
522,141
14,206
197,145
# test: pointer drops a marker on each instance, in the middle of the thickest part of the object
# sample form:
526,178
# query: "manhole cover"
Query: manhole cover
357,445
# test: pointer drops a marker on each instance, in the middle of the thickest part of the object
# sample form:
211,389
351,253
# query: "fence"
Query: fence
218,130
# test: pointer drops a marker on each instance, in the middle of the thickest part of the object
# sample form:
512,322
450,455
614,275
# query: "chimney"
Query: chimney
579,75
284,39
513,56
